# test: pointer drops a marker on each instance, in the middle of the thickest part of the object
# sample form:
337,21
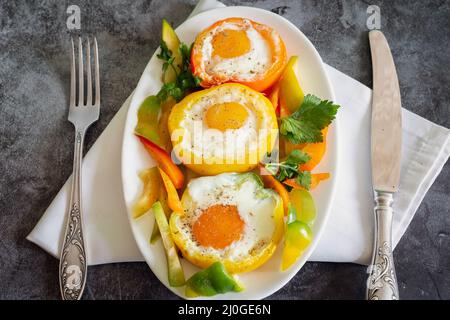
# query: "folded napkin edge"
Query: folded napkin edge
437,165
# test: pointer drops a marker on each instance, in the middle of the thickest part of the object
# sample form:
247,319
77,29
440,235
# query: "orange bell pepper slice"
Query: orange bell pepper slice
173,200
284,110
271,182
316,151
164,161
316,178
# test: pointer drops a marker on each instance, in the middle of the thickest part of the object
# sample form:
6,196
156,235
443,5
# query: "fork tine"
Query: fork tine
89,75
97,74
80,73
72,76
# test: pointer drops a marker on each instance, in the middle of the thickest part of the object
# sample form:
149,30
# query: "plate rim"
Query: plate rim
334,165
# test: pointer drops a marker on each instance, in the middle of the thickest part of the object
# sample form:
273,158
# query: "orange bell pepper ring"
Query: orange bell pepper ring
316,178
165,162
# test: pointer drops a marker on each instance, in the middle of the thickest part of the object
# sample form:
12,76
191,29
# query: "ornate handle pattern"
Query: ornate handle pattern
73,263
382,281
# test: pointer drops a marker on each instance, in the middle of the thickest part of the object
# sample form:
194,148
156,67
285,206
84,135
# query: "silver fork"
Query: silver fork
73,262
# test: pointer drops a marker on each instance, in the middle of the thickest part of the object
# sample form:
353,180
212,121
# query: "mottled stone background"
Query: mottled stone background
36,139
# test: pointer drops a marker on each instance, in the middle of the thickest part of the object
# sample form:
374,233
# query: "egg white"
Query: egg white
245,67
256,212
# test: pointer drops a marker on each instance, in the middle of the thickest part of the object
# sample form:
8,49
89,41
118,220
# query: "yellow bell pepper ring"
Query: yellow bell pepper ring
248,262
204,113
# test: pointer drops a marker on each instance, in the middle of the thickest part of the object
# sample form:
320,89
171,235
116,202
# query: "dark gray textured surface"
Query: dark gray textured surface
36,140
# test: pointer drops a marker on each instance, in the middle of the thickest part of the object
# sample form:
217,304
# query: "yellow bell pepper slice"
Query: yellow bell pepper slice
152,184
297,239
291,94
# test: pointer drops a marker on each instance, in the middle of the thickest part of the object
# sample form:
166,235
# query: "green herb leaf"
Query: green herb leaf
185,81
290,167
298,157
305,124
304,179
170,90
165,53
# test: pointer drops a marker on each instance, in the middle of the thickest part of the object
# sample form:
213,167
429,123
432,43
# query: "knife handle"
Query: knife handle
382,281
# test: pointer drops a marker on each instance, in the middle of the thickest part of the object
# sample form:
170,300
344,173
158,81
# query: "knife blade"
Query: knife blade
386,142
386,116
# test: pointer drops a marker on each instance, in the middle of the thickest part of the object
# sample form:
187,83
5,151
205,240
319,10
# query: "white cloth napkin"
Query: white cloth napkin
348,234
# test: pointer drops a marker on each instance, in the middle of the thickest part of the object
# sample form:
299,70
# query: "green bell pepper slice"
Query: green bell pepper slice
211,281
174,268
148,113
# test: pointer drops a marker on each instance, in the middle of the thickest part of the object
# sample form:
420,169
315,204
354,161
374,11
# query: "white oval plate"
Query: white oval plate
268,278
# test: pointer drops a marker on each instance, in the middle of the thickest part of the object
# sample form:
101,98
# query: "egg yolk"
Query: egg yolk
230,43
228,115
218,226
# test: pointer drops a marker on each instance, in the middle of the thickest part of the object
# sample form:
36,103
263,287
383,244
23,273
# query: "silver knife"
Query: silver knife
386,144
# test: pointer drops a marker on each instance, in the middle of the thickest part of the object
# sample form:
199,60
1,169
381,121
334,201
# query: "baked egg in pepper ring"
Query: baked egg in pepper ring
229,218
238,50
228,128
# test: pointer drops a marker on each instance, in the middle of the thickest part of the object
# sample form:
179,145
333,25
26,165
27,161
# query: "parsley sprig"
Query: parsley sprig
290,168
166,55
185,80
305,125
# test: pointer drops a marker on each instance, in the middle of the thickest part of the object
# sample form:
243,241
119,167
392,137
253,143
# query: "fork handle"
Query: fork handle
382,281
73,263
